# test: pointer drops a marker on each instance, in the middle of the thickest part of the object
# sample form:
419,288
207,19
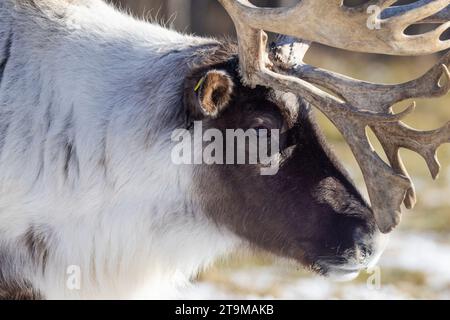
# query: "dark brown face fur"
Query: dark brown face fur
309,210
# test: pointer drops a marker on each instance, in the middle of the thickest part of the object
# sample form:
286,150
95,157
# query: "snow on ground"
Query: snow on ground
429,254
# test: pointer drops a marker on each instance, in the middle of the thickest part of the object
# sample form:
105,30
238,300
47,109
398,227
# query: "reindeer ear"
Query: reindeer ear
209,94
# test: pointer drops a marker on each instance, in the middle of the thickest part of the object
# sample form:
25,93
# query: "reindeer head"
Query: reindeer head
304,206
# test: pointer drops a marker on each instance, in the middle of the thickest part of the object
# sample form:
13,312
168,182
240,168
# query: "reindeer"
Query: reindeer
91,203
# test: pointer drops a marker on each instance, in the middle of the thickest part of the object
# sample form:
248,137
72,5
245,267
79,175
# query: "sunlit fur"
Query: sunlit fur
88,100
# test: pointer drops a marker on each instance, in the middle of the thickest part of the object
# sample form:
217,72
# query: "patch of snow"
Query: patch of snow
426,253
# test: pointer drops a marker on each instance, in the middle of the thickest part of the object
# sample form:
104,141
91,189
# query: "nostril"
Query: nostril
363,253
363,244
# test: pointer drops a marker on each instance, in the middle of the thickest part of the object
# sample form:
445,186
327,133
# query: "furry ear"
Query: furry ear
208,95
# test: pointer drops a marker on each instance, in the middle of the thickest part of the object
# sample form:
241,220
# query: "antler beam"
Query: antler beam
331,23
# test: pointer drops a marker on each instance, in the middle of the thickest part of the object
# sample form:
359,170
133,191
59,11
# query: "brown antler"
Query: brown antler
388,186
331,23
360,104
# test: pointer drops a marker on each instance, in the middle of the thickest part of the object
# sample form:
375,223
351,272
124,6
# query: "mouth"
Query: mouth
343,273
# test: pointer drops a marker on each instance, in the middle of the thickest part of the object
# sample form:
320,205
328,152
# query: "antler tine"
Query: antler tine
394,136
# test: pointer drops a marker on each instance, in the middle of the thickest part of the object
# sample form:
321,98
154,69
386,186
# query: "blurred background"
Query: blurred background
416,263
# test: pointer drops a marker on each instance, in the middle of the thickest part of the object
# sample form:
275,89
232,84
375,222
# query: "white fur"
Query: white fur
110,86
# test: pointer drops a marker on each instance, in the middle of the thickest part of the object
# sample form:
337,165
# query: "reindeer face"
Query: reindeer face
308,209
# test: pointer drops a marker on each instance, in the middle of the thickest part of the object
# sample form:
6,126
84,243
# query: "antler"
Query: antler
331,23
388,186
360,104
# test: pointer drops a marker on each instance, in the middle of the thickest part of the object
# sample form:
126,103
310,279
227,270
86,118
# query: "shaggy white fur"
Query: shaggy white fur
88,100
